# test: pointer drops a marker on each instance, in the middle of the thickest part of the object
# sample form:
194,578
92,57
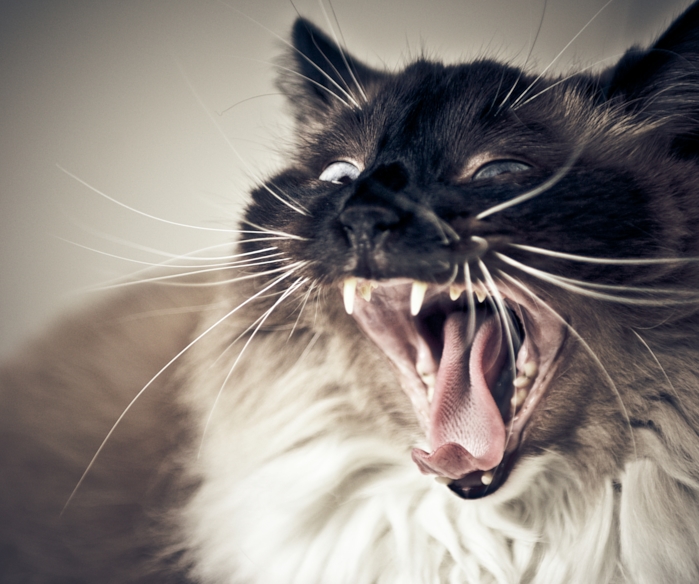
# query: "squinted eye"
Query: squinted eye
498,167
340,172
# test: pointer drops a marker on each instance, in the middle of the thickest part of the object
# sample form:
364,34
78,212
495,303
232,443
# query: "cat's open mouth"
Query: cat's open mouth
474,366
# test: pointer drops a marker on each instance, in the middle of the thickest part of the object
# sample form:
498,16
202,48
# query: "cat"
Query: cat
468,273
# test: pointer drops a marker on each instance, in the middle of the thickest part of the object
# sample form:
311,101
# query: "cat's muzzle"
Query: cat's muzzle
475,363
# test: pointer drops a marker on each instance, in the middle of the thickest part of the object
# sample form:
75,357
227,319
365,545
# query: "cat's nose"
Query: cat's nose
367,226
372,212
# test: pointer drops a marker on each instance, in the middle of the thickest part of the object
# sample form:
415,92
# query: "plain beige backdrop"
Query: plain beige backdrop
168,106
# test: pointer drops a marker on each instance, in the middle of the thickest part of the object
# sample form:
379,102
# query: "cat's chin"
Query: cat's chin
475,362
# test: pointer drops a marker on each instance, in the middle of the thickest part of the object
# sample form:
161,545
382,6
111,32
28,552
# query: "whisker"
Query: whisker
342,46
566,78
509,328
542,188
273,231
292,206
311,343
299,282
526,60
303,306
142,213
164,264
164,279
657,362
164,368
151,250
606,261
329,91
135,276
224,111
349,97
471,325
169,312
584,343
563,50
578,288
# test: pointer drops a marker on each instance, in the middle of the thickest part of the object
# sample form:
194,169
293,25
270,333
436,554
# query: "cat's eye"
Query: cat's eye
499,167
340,172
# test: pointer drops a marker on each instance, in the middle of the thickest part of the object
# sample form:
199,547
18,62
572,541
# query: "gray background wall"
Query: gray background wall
101,88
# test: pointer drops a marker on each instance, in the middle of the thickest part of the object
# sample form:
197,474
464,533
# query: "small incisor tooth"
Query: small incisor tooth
487,477
348,291
430,393
417,295
365,289
454,292
522,381
443,480
480,294
518,398
531,369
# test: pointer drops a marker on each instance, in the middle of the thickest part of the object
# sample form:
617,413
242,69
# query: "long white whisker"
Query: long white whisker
288,44
471,326
578,287
134,277
620,288
542,188
606,261
329,91
310,346
292,206
164,279
169,311
526,60
273,231
189,255
566,78
299,282
166,263
563,50
164,368
657,362
584,344
508,326
303,305
142,213
342,46
342,52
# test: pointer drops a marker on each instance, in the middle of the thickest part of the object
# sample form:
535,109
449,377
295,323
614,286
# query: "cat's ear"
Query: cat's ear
318,76
661,83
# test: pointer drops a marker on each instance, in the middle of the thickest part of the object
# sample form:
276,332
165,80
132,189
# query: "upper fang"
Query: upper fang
348,291
417,295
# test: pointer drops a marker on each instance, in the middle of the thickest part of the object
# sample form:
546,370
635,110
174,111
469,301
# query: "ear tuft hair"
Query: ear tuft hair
319,76
662,82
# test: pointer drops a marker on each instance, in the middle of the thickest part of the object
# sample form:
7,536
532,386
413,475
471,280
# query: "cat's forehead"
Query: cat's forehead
434,114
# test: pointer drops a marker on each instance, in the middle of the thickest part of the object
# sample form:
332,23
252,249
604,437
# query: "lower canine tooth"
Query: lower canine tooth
348,292
430,393
487,478
417,295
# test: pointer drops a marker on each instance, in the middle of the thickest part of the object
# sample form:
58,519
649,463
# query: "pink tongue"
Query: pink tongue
467,430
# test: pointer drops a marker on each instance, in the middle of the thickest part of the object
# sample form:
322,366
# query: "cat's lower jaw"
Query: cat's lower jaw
475,362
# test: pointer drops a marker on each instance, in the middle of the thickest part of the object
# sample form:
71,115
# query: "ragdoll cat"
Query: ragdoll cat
468,273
